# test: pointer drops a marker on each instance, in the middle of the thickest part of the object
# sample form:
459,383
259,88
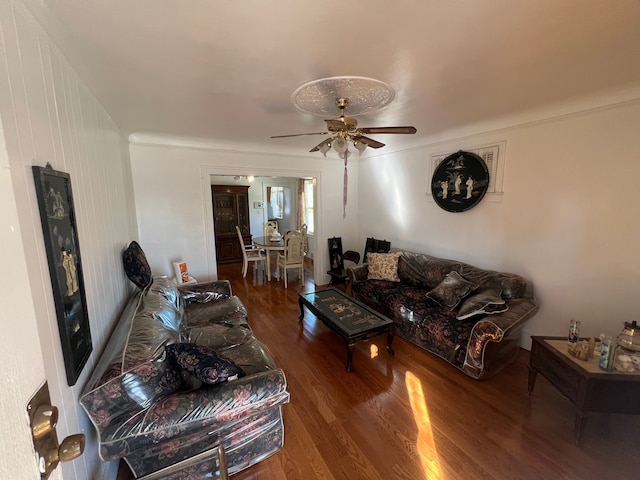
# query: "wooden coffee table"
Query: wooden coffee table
584,383
349,318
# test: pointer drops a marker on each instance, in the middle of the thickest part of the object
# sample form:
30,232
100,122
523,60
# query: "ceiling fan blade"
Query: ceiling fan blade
317,147
300,134
388,130
370,142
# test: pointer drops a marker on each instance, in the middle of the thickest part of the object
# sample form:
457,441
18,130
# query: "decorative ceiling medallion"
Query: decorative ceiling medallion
460,181
365,95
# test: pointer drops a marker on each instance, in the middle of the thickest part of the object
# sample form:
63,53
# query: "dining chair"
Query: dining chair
249,254
270,228
292,257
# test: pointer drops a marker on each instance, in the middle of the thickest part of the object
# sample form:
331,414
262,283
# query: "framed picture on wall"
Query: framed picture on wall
59,229
460,181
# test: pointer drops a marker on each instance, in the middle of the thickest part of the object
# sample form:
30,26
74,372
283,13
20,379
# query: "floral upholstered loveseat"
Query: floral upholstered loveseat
181,374
468,316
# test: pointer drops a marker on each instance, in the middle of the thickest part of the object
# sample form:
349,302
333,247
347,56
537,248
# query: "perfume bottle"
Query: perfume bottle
606,354
574,331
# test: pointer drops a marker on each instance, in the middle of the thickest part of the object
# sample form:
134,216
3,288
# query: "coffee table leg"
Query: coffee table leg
349,356
390,337
301,309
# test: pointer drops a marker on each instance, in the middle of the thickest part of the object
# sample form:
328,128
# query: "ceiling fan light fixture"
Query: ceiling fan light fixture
325,146
340,145
360,146
344,155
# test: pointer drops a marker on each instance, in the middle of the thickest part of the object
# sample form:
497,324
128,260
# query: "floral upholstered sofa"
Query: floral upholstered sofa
468,316
183,373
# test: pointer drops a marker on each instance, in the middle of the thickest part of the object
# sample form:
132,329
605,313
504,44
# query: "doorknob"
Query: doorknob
44,418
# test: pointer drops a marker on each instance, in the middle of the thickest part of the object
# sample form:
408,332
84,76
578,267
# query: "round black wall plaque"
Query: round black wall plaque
460,181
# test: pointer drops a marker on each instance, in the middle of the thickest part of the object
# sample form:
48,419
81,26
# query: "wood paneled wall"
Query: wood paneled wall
49,116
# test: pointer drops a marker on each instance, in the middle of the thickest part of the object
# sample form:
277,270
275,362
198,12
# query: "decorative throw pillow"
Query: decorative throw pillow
424,271
486,301
383,266
451,290
136,266
203,363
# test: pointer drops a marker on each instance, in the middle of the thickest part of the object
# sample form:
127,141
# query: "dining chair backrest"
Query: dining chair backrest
293,252
270,228
249,253
292,257
241,239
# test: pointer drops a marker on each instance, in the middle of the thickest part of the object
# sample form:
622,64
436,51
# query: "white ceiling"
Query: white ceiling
224,70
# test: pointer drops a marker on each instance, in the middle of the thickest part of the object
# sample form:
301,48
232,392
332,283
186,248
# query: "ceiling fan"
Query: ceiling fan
344,128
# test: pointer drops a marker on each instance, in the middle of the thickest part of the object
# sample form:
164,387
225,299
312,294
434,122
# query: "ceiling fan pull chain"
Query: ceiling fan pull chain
344,189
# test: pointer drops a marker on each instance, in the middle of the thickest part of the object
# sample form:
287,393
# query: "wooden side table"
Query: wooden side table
584,383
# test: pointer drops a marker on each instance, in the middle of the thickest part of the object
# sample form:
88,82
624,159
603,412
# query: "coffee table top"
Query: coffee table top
346,313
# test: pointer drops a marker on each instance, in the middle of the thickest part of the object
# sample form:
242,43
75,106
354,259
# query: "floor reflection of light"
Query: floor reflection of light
373,350
425,444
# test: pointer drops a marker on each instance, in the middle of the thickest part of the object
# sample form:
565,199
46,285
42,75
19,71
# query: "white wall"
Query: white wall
173,203
567,220
256,215
48,115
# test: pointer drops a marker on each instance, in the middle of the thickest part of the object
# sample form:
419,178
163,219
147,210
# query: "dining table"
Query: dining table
269,246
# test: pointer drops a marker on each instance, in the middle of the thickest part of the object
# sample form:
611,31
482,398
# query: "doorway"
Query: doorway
274,197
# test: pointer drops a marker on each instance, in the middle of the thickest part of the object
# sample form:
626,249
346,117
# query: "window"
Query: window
309,185
493,156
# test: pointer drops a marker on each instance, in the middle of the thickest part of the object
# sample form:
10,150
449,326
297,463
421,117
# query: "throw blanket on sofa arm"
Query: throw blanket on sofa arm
495,328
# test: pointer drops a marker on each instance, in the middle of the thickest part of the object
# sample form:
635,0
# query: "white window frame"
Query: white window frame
494,156
310,224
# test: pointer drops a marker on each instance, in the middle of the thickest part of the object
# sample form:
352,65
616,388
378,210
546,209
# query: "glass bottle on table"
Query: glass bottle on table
574,331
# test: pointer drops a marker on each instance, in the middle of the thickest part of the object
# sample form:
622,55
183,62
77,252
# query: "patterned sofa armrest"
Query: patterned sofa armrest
494,328
219,404
359,273
185,414
206,291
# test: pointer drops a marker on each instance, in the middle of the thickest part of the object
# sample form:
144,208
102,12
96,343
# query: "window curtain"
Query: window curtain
302,205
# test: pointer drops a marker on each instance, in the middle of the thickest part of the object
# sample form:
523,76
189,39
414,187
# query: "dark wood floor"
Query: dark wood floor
412,416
